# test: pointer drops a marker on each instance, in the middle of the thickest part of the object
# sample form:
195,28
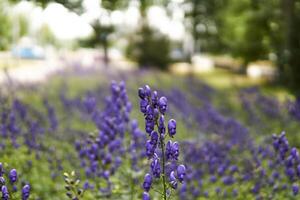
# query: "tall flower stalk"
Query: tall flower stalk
163,156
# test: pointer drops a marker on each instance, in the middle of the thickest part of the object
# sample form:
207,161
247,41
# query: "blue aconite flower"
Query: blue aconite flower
143,105
181,172
13,176
147,91
150,113
172,127
173,180
146,196
5,194
172,150
150,149
294,153
147,182
155,168
295,189
162,104
154,98
154,138
142,93
161,125
149,126
25,192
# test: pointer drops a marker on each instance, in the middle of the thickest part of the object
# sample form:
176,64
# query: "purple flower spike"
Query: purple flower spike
163,156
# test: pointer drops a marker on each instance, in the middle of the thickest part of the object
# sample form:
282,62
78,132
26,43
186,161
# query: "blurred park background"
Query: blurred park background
256,39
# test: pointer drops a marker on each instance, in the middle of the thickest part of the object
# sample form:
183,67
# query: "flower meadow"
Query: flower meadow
146,137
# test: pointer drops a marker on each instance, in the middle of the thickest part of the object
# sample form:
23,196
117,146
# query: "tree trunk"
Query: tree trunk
291,44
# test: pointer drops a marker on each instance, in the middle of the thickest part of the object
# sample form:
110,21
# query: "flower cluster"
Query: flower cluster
163,156
136,148
101,155
290,158
12,176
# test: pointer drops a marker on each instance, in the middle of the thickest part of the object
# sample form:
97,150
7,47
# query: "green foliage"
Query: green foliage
246,31
5,27
149,48
113,4
251,30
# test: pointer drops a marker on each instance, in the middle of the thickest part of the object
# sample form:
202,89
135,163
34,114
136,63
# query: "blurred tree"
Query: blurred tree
246,30
204,23
149,48
251,30
103,31
100,37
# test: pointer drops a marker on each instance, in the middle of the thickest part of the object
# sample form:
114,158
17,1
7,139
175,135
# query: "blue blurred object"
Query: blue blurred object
33,52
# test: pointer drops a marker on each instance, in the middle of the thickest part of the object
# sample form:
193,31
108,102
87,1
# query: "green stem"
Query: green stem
162,145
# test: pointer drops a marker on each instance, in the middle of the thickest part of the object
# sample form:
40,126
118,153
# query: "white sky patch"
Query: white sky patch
68,25
173,27
22,6
92,10
131,16
65,24
117,17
